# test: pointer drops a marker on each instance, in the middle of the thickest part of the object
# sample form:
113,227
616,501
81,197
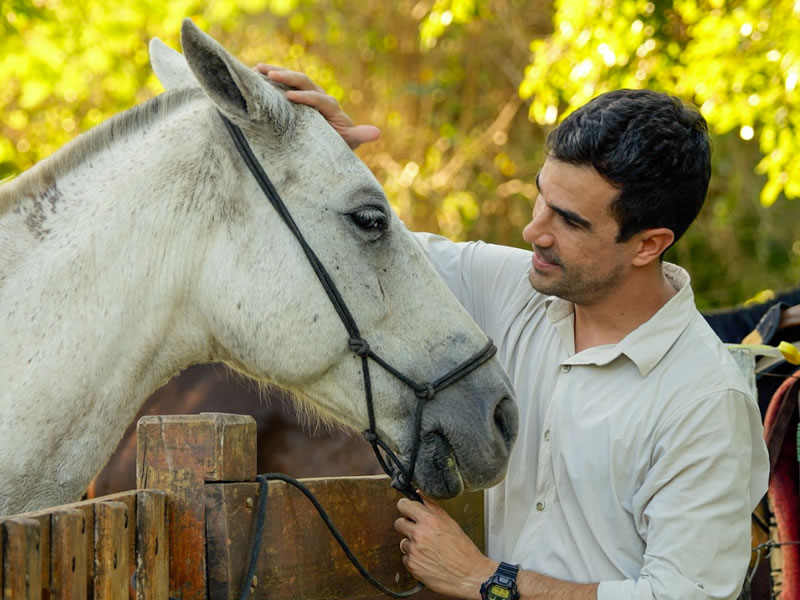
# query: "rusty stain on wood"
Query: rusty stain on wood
299,558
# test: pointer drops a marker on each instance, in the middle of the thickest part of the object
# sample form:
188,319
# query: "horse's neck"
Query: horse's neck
95,269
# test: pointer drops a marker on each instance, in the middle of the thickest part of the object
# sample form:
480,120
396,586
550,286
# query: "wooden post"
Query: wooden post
178,454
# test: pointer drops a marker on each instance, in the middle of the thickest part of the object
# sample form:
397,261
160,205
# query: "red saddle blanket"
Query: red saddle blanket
780,433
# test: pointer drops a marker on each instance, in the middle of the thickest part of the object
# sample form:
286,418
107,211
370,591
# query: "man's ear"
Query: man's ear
170,66
651,244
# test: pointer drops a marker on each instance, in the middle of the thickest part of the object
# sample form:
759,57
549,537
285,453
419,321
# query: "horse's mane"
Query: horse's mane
86,145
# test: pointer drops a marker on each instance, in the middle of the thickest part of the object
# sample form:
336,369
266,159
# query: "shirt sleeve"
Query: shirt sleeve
709,469
482,276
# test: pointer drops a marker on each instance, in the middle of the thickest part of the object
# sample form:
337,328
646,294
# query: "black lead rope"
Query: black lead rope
402,477
259,530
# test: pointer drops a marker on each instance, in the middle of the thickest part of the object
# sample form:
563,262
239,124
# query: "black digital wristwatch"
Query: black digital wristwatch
502,585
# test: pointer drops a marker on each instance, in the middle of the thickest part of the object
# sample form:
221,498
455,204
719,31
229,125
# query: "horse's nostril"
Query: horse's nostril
500,421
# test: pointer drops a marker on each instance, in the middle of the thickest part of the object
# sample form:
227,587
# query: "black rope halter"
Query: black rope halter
402,476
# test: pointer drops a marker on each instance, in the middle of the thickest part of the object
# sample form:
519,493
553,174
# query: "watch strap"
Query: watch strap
505,577
508,570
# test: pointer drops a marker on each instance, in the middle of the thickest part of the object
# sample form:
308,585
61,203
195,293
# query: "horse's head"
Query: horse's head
266,313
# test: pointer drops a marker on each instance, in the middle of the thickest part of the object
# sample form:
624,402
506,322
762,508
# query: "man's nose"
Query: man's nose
537,231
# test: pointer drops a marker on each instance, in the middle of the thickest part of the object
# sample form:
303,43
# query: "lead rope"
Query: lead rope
259,530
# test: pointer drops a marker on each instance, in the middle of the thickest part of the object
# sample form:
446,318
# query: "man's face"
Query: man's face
576,255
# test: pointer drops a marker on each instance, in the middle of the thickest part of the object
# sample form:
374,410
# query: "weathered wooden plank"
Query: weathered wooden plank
111,524
152,546
86,508
68,555
22,578
44,551
87,526
299,558
178,454
2,559
129,499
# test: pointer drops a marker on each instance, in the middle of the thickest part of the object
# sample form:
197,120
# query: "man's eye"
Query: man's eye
570,223
370,219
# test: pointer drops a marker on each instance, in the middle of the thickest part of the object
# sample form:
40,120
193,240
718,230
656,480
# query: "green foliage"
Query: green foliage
463,103
739,62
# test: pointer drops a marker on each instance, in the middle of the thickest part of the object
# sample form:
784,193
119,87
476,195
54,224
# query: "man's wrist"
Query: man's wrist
475,580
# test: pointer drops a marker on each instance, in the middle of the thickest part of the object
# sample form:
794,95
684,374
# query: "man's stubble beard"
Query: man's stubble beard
574,285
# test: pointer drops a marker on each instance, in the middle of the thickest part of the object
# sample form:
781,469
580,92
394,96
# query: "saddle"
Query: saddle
776,519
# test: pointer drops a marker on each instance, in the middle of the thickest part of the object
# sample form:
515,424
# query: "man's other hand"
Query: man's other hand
307,92
438,553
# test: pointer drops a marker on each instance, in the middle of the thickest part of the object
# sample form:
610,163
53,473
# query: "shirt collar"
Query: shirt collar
646,345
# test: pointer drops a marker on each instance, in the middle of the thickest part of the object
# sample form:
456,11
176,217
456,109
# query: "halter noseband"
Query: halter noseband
401,476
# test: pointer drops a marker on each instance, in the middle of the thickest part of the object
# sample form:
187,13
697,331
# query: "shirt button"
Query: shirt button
565,368
547,436
540,506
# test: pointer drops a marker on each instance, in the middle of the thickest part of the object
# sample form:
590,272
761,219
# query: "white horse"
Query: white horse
145,245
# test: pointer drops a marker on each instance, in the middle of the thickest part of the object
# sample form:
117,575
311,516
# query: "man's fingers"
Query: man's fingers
365,133
411,509
294,79
324,103
305,91
403,527
266,68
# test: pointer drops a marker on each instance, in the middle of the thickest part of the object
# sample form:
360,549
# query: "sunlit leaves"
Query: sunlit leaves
443,78
448,12
738,63
90,57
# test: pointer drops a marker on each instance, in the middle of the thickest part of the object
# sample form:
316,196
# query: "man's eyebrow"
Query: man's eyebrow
567,214
571,216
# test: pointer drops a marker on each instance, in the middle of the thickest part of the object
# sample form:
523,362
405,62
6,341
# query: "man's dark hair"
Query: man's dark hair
651,147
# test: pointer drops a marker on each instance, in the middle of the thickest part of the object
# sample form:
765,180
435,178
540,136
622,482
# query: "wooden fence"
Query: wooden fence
186,533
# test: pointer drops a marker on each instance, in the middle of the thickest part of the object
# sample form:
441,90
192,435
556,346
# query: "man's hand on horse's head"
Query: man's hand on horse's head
307,92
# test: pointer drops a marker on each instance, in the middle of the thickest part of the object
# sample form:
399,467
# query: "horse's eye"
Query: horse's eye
370,219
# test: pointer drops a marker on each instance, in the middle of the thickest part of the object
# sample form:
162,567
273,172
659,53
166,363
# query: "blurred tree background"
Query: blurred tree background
465,92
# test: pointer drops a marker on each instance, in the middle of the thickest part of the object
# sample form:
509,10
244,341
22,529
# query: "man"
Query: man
639,457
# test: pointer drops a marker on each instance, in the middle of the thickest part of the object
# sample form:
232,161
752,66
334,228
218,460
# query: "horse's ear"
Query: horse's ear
170,66
235,89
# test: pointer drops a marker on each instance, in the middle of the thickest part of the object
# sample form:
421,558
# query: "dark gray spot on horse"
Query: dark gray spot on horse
40,206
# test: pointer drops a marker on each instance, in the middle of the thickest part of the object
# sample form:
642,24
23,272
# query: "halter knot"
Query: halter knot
359,346
427,391
370,436
399,481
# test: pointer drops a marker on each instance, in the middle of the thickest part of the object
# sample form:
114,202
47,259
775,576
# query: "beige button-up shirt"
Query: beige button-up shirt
637,464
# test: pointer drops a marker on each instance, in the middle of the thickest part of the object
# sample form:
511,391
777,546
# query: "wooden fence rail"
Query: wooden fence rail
186,533
91,549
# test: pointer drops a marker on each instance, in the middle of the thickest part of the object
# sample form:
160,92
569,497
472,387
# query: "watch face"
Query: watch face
498,592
